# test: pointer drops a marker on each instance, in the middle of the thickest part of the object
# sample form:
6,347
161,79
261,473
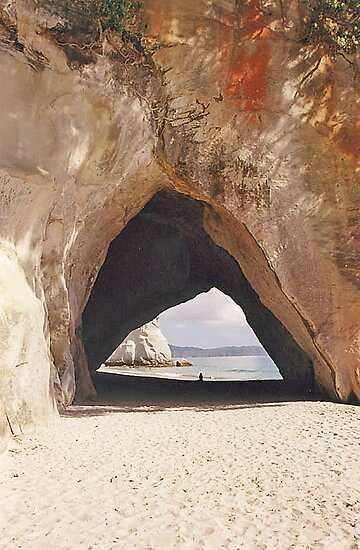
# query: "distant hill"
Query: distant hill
234,351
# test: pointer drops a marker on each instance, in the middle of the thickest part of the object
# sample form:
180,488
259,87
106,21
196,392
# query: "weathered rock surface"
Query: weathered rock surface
145,345
231,109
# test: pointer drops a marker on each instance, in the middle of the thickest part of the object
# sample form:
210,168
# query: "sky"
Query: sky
210,320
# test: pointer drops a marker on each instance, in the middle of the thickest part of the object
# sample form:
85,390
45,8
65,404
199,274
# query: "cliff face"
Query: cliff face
230,109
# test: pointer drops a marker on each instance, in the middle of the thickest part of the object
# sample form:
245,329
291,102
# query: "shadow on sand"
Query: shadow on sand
121,393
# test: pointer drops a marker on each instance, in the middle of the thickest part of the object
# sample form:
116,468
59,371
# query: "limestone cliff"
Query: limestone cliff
145,345
225,105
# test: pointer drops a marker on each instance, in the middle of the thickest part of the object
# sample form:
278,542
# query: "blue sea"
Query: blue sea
213,368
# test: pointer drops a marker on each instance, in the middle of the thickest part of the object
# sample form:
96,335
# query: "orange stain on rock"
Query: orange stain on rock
253,18
247,79
348,139
246,58
160,16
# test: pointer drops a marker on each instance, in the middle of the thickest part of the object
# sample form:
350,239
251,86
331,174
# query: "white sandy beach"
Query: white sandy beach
267,476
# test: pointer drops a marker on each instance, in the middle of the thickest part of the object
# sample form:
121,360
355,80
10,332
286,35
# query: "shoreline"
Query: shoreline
223,369
123,371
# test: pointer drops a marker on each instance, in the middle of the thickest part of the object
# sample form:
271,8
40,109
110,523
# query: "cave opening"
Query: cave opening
212,333
164,257
208,334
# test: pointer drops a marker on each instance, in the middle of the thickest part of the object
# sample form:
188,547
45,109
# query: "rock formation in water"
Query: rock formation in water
143,346
221,149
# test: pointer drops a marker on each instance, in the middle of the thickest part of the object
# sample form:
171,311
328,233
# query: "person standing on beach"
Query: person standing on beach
201,377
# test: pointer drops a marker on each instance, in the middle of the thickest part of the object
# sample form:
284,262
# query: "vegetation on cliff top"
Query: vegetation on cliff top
87,19
334,24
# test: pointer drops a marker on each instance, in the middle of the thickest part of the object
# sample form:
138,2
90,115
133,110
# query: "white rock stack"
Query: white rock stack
144,346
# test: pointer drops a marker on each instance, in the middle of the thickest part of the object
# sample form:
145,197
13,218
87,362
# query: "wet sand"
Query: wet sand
164,466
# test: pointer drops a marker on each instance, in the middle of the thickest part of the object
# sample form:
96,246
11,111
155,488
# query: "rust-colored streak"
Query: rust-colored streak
247,78
348,139
159,14
253,18
246,55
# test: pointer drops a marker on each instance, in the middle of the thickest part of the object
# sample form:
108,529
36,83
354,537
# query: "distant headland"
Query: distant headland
226,351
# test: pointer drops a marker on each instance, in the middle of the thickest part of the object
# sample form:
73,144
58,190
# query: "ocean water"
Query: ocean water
212,368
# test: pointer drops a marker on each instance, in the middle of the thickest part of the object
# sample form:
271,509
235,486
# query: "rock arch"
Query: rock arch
229,108
163,257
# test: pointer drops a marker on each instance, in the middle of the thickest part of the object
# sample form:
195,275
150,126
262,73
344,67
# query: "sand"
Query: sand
253,476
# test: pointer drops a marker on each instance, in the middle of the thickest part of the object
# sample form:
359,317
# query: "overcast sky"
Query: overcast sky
210,320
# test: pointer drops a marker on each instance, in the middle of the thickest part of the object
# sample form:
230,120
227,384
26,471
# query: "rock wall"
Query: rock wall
225,104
